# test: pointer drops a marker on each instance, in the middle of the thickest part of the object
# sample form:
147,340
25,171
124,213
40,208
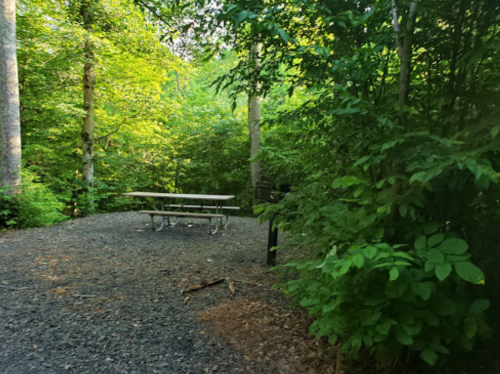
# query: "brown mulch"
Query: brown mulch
270,333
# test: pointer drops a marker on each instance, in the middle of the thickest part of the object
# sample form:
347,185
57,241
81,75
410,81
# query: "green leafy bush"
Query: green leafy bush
384,298
35,206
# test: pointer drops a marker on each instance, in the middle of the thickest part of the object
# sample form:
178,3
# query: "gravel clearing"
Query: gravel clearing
102,294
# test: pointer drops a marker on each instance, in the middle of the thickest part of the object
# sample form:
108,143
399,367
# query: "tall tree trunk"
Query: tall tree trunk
87,134
254,112
10,166
404,39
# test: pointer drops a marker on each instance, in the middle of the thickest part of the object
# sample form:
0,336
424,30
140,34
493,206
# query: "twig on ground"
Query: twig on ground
203,285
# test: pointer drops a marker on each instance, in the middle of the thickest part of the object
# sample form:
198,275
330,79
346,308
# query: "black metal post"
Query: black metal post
273,234
272,242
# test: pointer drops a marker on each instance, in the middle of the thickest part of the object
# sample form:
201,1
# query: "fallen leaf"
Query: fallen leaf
61,291
232,288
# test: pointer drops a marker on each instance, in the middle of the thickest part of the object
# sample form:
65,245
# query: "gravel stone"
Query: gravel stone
101,294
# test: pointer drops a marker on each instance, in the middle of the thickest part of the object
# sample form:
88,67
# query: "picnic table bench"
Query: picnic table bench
218,216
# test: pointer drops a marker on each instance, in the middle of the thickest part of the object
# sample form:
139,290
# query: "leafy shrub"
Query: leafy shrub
35,206
384,298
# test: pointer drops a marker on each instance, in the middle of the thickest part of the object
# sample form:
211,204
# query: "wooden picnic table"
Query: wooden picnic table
181,212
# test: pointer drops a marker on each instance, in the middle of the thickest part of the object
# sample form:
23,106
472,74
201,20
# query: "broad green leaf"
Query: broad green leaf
403,337
332,338
358,260
423,289
345,267
393,274
403,209
347,181
435,239
442,271
432,227
429,356
370,252
403,255
283,35
368,340
241,16
383,265
429,266
414,329
329,307
494,131
383,328
470,327
358,192
381,256
454,246
469,272
436,257
439,348
362,160
420,243
368,15
453,258
402,263
479,306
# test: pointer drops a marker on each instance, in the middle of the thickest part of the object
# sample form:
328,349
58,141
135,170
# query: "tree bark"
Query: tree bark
405,50
254,111
87,134
10,166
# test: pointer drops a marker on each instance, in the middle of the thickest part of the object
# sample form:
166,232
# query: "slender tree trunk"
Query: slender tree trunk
87,134
254,112
405,50
10,166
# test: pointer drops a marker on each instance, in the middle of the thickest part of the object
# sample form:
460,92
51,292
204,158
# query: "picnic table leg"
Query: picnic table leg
227,221
217,207
162,218
214,231
173,222
152,222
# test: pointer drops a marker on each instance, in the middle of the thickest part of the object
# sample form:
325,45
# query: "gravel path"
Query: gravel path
102,295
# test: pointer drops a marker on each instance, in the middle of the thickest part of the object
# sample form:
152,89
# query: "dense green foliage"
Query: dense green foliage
394,159
159,127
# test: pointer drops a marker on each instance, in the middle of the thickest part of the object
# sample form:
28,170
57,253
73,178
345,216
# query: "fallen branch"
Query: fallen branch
203,285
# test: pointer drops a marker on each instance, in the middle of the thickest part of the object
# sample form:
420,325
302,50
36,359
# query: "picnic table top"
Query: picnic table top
179,196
